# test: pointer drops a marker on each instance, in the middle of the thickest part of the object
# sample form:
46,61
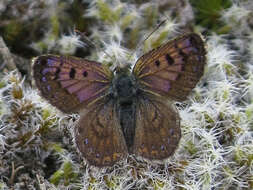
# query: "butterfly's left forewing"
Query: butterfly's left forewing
70,83
173,69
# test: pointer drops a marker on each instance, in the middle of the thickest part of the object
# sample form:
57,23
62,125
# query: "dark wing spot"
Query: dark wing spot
85,73
169,59
56,76
45,71
43,61
72,73
61,61
157,63
181,53
175,45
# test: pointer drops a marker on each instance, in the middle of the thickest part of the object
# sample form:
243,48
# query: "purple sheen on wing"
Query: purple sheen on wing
158,83
86,141
163,63
185,43
145,70
66,65
167,75
176,68
48,88
65,70
195,68
77,86
90,91
67,83
197,57
48,70
93,75
179,60
63,77
189,50
44,79
52,63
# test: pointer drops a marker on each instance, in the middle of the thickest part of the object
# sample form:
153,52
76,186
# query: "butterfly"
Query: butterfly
124,111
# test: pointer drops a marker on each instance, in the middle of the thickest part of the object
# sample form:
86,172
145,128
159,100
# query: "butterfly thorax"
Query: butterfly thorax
124,88
124,95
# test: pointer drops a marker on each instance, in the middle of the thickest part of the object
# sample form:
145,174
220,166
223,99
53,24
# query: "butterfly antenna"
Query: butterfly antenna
147,37
90,43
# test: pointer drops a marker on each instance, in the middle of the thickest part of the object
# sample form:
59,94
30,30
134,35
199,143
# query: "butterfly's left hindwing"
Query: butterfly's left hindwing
70,83
157,132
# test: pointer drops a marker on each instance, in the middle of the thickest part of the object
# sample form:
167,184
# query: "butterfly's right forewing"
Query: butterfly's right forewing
70,83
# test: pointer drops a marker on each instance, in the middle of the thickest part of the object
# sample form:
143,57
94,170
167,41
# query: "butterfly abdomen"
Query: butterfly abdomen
126,115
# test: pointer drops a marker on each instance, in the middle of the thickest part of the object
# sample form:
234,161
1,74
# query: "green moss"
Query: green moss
55,25
65,174
133,37
208,13
126,21
57,147
249,112
77,18
2,84
12,31
69,174
150,15
229,69
161,38
191,148
243,157
157,184
2,186
208,118
107,14
17,92
56,177
24,138
109,182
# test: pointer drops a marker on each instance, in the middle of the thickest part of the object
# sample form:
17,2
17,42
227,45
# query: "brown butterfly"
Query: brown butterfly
124,112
